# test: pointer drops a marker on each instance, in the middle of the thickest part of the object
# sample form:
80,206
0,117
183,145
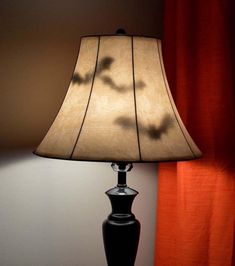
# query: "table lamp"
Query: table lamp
119,109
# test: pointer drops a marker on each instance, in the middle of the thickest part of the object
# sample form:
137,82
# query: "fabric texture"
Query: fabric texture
196,199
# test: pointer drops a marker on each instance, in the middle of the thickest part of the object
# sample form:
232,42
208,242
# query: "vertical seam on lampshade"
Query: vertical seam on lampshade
89,98
134,92
164,78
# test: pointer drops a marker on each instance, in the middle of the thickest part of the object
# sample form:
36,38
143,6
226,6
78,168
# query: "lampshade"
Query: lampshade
118,106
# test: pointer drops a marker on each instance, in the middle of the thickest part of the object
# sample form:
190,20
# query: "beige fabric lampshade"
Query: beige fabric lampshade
118,106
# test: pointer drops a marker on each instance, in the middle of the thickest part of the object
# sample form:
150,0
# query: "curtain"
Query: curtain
196,199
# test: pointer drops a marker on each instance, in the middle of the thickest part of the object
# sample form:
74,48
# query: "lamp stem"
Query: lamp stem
121,179
121,230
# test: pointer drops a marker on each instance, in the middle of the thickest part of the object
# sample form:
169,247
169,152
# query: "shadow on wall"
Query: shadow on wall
9,157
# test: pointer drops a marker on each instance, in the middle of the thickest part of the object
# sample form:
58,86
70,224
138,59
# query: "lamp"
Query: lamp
119,109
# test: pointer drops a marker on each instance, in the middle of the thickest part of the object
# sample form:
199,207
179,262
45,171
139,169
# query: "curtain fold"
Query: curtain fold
196,199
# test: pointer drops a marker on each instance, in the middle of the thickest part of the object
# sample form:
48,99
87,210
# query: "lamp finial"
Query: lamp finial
120,31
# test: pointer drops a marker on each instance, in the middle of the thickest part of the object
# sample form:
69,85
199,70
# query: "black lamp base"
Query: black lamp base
121,230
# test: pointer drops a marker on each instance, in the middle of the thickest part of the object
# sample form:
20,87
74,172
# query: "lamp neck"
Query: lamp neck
122,168
120,31
121,179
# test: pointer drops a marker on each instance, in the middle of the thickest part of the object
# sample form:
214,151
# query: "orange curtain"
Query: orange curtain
196,199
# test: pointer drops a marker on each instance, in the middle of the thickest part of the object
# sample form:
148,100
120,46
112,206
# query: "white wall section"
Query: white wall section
51,211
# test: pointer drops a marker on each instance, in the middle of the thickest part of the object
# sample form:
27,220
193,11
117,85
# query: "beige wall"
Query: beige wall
52,210
38,47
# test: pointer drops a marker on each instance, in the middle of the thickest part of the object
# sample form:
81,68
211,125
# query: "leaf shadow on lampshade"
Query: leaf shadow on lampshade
152,131
103,65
